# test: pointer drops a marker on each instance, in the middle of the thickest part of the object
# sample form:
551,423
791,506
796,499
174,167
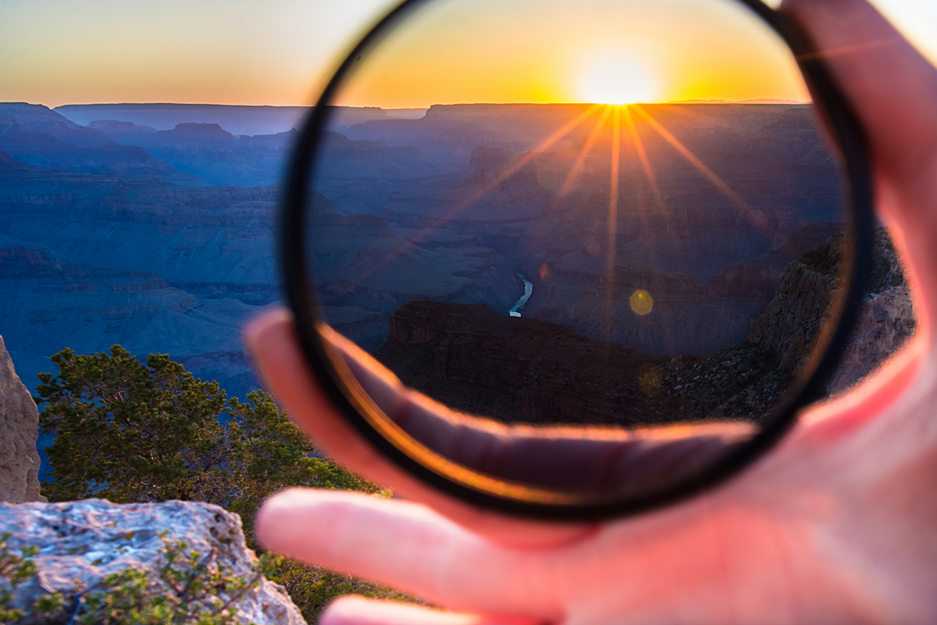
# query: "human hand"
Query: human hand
836,525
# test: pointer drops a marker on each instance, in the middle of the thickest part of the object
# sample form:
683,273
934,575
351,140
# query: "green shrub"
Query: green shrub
132,431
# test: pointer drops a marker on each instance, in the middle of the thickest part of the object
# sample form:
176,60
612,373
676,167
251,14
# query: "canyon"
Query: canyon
155,228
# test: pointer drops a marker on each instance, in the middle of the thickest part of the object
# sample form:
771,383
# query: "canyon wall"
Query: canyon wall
19,423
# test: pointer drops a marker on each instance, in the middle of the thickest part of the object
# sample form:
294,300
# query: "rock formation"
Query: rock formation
81,543
885,323
790,323
530,371
19,423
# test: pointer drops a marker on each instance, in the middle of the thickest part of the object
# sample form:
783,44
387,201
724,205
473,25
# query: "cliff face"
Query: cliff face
885,324
523,370
515,369
886,321
81,544
790,323
19,423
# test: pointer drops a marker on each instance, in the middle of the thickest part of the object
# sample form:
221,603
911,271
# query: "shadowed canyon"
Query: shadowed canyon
653,239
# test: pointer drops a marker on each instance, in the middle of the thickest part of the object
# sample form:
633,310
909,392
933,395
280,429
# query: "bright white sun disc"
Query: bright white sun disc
617,78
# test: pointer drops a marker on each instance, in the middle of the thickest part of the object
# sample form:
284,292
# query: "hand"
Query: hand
835,526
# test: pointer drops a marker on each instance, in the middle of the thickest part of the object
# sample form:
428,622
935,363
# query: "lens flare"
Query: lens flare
641,302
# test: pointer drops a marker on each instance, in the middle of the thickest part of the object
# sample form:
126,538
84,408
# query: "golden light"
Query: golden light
617,77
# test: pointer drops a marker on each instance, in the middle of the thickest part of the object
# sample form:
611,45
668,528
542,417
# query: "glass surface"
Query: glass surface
599,239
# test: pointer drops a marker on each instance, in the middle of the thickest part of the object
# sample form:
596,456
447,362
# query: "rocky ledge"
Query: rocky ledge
190,557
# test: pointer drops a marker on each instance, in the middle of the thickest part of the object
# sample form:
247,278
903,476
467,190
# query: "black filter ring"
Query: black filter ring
349,400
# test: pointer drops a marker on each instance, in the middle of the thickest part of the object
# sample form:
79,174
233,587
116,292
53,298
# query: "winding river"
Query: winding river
520,303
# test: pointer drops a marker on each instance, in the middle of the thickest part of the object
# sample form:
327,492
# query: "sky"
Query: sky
281,52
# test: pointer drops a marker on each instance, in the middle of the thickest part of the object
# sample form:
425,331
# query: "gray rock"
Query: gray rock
19,423
790,324
82,542
885,323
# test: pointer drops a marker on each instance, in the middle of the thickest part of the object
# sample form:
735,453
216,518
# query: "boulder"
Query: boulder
80,544
19,422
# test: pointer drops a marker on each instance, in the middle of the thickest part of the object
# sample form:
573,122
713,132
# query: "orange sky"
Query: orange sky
281,51
540,51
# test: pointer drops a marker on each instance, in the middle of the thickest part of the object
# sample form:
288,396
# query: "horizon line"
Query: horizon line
425,107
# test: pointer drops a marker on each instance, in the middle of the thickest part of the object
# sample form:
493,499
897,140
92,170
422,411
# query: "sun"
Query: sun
617,77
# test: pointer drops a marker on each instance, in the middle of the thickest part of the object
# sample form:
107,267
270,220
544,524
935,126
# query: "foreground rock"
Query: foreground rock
19,423
81,543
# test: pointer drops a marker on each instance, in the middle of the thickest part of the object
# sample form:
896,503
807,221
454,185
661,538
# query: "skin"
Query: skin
836,525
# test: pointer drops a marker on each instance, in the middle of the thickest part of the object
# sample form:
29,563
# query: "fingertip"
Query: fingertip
266,329
269,525
358,610
314,525
346,610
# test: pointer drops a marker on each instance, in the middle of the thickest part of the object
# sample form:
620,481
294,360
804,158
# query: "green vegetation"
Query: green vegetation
191,589
132,431
15,569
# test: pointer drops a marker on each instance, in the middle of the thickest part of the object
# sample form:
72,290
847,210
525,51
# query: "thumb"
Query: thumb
891,86
892,90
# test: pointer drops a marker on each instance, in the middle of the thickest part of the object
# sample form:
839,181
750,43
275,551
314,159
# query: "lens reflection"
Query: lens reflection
601,292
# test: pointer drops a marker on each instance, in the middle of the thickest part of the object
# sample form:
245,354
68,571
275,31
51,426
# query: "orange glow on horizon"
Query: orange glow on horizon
612,53
453,51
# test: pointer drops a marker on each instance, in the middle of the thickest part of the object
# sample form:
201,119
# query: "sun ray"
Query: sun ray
525,159
754,217
646,166
613,200
513,169
584,153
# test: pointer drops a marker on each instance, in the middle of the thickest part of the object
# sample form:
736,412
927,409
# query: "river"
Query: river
520,303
